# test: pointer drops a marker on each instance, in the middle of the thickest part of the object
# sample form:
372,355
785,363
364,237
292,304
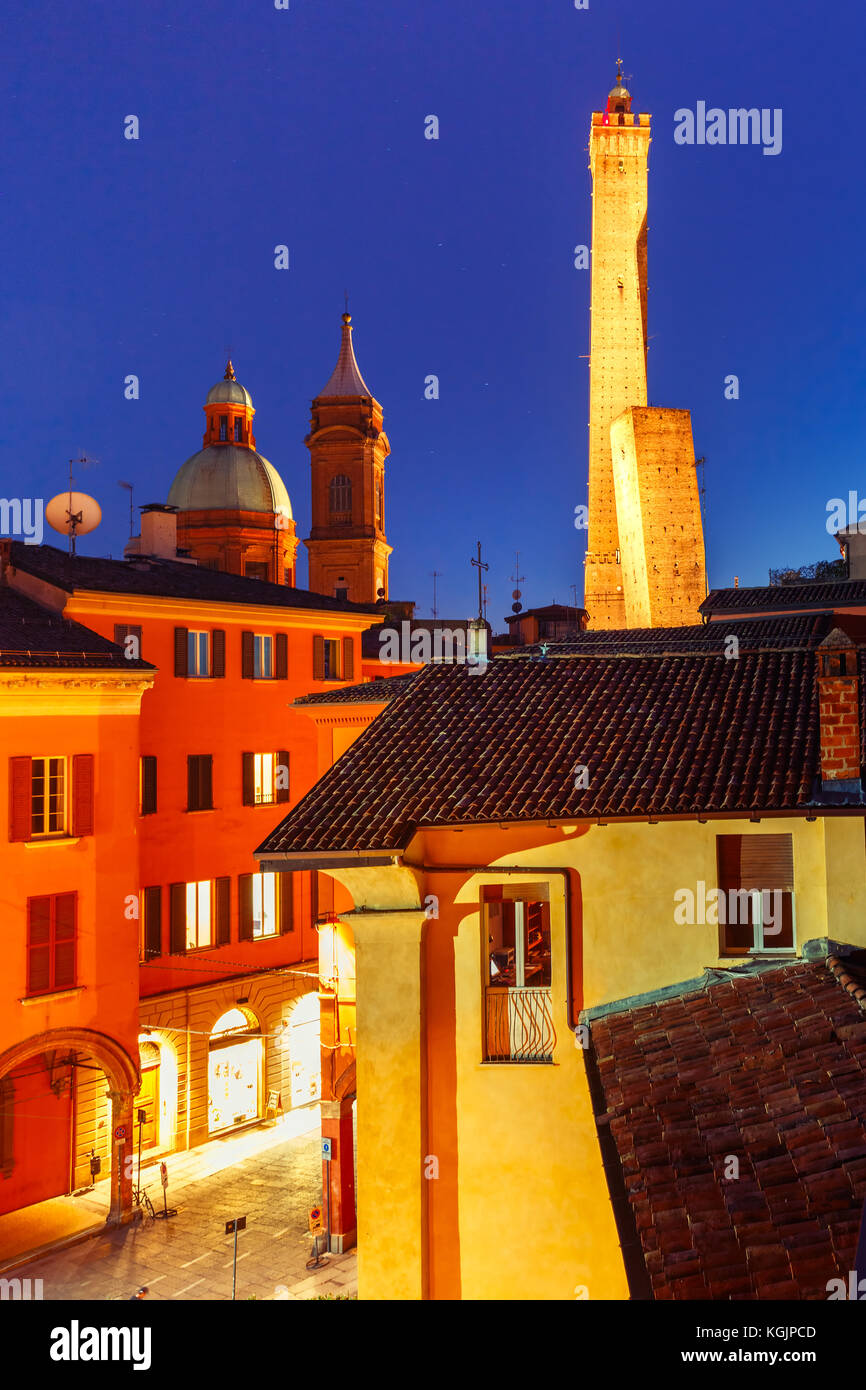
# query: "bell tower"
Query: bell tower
348,448
618,158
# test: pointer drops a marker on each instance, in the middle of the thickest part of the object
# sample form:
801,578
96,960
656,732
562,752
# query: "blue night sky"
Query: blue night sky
306,127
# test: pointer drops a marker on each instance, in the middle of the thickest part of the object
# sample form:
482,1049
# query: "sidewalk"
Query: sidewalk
54,1224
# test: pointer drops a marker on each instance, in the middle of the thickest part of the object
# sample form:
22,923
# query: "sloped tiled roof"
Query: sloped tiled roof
31,635
752,634
371,692
836,594
166,578
768,1068
658,734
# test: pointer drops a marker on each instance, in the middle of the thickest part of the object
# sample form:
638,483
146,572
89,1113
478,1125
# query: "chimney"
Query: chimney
839,717
852,543
158,533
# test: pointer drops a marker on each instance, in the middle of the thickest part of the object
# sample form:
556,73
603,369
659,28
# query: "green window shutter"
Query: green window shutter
222,912
318,658
348,659
177,913
20,798
286,891
245,907
247,656
248,761
283,793
181,637
152,903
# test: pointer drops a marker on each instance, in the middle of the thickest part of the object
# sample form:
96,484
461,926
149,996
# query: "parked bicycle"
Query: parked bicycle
141,1199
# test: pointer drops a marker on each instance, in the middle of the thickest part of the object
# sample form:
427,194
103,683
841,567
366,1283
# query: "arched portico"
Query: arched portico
123,1079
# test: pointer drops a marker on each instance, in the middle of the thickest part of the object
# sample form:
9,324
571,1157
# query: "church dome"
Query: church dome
229,390
226,477
619,93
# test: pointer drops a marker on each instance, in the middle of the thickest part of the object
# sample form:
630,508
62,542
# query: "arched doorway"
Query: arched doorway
234,1071
43,1069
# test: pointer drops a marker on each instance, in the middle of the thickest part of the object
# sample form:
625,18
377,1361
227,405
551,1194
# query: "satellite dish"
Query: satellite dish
73,514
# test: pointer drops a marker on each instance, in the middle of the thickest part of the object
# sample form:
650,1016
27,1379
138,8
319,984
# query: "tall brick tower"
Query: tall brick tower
618,155
348,448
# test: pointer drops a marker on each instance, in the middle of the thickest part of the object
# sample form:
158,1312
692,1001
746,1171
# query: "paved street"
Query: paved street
190,1257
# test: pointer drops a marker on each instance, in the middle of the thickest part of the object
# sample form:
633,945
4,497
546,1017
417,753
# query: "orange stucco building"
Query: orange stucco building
195,983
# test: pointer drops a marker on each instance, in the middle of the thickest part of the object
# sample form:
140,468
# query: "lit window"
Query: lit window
264,905
198,914
332,660
224,427
238,430
263,765
519,1020
263,667
48,797
198,654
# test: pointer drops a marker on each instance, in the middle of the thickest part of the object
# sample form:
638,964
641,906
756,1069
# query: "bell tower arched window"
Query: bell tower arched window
340,498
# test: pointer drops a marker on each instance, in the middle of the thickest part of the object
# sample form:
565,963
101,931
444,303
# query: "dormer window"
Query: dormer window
238,430
224,427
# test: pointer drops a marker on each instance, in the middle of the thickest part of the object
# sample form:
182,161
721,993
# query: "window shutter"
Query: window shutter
286,891
192,782
64,940
247,656
148,785
767,861
218,644
282,793
206,784
82,794
20,798
152,898
38,945
181,639
249,778
318,658
245,907
222,913
756,861
177,906
281,665
348,659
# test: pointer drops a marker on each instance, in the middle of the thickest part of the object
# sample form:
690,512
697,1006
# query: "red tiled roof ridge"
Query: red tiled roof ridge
849,983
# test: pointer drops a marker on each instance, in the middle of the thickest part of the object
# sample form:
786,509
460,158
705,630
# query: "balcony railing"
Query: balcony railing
519,1025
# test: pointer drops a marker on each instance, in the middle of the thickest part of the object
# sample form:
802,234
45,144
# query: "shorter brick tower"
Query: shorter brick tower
348,448
664,578
234,512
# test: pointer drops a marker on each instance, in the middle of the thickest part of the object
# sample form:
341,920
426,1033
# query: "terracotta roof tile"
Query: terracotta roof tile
789,1223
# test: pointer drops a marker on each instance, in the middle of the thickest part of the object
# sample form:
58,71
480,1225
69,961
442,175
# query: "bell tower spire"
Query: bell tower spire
348,447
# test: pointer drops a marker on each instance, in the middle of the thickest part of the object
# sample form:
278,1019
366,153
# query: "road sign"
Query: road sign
239,1224
120,1132
315,1220
326,1150
163,1174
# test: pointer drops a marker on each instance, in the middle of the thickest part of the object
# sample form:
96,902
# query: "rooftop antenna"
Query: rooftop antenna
702,493
435,574
518,579
480,565
129,489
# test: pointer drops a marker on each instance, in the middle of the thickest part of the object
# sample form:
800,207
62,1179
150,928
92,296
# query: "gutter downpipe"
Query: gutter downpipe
637,1276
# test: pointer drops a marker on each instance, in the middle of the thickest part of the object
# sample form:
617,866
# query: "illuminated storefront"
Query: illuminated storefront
234,1072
